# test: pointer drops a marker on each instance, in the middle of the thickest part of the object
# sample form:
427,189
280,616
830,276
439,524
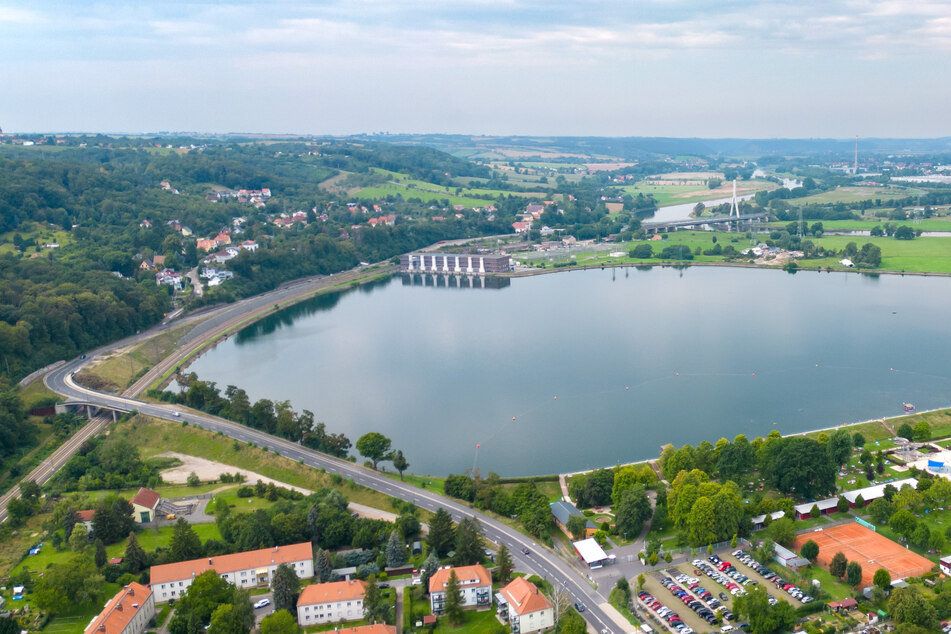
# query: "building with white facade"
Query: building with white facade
252,569
525,608
129,612
331,602
475,586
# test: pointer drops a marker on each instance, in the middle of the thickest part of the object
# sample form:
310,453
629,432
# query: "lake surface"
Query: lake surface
682,211
636,358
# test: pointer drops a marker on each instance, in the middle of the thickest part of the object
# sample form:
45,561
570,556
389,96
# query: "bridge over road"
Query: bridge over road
658,227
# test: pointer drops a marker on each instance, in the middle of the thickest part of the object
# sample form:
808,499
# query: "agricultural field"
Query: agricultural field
407,187
675,193
925,254
855,194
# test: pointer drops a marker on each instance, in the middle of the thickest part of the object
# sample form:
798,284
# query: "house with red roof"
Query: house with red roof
251,569
331,602
129,612
525,608
85,518
144,504
475,586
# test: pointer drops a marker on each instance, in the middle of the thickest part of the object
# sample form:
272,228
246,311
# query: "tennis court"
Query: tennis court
871,550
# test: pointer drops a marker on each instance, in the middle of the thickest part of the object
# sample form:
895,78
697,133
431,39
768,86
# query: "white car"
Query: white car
176,413
262,603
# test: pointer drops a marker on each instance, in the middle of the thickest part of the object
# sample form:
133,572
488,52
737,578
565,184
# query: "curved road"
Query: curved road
540,560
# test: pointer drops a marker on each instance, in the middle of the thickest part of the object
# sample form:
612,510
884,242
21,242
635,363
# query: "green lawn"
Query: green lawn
932,255
241,505
149,539
867,223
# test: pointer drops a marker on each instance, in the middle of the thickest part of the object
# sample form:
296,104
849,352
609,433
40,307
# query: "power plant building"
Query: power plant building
455,263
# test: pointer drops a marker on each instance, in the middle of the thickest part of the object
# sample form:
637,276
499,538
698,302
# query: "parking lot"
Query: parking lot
662,594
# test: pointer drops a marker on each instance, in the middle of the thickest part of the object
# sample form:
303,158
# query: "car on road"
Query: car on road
579,606
262,603
526,551
176,413
383,585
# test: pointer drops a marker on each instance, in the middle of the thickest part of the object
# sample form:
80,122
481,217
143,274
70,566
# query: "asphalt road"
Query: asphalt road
541,561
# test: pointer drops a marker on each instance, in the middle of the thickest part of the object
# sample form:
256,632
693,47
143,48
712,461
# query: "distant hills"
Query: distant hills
633,148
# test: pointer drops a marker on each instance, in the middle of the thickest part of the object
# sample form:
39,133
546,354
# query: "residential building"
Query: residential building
331,602
129,612
85,518
475,586
525,608
563,511
144,504
251,569
945,564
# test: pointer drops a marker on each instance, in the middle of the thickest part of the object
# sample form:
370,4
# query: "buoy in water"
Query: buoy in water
678,373
754,374
556,398
513,418
626,387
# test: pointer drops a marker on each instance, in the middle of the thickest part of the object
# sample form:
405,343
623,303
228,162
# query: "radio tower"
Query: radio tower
734,208
855,165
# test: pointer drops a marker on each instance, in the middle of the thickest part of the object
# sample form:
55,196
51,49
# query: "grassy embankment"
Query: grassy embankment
921,255
44,442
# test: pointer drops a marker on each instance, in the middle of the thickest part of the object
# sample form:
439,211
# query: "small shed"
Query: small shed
787,558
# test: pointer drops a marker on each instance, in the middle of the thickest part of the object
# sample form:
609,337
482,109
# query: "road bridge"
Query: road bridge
658,227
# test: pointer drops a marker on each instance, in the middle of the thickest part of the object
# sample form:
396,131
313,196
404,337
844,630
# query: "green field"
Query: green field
408,187
868,222
39,233
666,195
932,255
855,194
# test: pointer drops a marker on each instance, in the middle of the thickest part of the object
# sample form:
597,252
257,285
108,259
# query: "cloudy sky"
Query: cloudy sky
708,68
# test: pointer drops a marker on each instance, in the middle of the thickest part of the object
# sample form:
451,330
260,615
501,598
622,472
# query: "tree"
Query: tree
762,616
8,625
207,592
803,466
469,547
286,587
782,531
185,542
842,504
453,605
430,566
810,550
395,551
135,558
839,447
700,522
399,463
279,622
323,568
905,431
577,524
838,565
853,573
375,446
234,617
503,565
858,440
77,581
100,557
909,605
441,536
882,579
375,608
631,511
79,538
903,522
880,509
922,431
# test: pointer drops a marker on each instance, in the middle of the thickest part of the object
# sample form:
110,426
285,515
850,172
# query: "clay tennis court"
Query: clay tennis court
871,550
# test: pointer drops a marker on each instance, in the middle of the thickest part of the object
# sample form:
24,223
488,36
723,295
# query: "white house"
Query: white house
945,564
475,585
251,569
525,608
129,612
331,602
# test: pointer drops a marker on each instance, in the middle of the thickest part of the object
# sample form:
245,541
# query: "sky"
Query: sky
697,68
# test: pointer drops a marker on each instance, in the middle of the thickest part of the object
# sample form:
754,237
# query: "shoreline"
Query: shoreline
735,265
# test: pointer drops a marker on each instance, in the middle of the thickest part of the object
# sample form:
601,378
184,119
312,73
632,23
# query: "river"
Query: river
583,369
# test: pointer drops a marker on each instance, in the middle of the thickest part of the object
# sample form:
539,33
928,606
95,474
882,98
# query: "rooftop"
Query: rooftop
467,575
523,597
232,563
590,550
120,610
147,498
332,592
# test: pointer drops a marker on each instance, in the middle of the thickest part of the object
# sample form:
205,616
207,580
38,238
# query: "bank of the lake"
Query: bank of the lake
636,359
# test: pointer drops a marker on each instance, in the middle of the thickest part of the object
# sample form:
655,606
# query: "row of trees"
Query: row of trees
276,418
524,501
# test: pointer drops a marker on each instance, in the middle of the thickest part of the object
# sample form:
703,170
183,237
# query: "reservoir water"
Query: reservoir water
585,369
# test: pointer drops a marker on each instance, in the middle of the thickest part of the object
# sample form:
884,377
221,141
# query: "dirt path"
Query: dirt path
209,470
